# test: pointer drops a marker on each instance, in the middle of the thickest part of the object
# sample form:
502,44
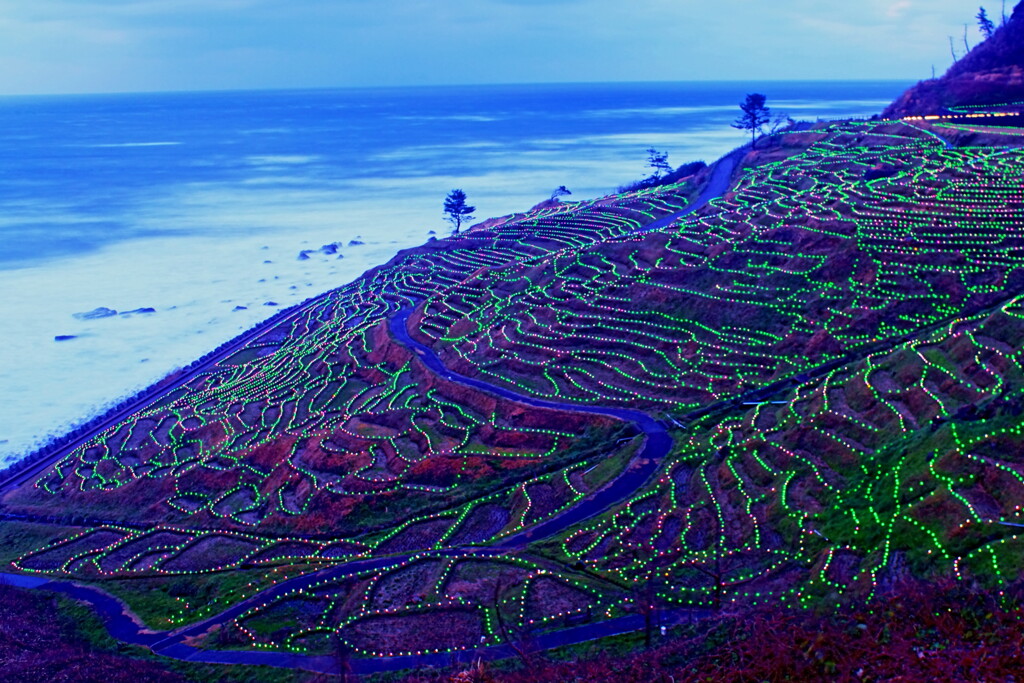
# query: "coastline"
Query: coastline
408,292
73,382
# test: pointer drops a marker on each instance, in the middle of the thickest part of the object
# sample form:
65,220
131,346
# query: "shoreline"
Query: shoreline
505,167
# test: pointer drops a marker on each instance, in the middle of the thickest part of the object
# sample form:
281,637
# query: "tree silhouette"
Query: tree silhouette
985,24
457,210
755,115
561,191
658,161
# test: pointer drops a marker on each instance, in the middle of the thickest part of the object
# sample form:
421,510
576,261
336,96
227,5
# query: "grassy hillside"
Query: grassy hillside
809,258
990,74
832,349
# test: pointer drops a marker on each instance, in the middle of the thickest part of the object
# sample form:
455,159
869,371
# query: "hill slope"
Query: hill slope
990,74
801,393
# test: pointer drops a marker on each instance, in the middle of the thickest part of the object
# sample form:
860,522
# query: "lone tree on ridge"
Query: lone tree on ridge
562,191
457,210
658,161
755,114
985,24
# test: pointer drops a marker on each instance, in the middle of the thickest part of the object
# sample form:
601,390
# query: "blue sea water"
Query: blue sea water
197,204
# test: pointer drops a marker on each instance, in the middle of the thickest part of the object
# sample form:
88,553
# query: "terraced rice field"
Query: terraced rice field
808,259
868,274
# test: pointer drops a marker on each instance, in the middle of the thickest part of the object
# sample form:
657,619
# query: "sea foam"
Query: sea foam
197,205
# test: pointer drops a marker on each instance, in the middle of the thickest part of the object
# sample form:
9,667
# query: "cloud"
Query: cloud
97,45
106,11
898,9
538,3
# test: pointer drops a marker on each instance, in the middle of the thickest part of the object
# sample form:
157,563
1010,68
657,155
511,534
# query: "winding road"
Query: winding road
657,444
643,465
717,186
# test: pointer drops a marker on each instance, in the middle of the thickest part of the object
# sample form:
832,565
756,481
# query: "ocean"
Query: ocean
182,217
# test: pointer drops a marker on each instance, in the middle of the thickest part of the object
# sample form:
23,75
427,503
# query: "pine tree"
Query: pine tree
456,209
658,161
561,191
985,24
755,115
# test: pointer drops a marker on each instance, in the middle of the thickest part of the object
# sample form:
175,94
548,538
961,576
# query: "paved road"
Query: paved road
657,444
657,441
721,179
122,627
643,465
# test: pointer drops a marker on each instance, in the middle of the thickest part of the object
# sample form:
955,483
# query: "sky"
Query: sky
83,46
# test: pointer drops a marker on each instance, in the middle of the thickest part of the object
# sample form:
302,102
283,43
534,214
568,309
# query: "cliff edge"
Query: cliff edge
991,73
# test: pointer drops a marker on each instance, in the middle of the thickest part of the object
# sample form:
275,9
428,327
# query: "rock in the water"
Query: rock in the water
65,337
101,312
354,243
331,248
304,254
270,303
144,309
240,308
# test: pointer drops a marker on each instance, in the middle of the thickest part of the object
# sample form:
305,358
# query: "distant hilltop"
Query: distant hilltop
991,73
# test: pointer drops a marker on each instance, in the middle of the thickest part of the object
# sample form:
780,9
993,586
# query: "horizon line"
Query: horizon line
324,88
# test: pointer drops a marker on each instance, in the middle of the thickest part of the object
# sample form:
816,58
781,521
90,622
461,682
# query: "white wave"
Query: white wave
266,131
136,144
855,106
281,159
632,112
453,117
193,282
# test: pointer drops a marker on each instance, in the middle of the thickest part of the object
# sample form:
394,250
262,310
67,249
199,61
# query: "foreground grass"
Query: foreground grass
19,538
920,632
166,602
160,602
50,639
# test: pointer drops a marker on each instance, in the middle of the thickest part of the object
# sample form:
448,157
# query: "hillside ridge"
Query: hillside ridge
800,392
992,73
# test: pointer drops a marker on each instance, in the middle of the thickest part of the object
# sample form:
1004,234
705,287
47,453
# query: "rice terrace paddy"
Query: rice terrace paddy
802,392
